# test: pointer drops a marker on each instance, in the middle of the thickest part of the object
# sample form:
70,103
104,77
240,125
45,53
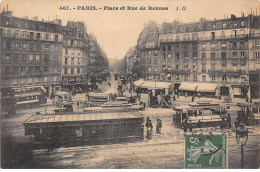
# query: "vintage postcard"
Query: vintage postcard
130,84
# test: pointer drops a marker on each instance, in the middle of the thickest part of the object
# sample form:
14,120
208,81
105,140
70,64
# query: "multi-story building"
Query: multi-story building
254,57
211,52
222,54
75,58
98,59
148,47
30,52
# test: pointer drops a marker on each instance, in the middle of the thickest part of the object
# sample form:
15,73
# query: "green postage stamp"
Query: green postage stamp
206,151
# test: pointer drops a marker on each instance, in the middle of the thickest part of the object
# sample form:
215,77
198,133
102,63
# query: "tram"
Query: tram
249,113
23,97
203,113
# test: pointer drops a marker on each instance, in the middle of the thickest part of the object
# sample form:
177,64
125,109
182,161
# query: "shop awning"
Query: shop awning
139,82
156,85
206,87
188,86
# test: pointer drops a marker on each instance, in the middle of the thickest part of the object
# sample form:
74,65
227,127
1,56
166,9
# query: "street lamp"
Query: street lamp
241,137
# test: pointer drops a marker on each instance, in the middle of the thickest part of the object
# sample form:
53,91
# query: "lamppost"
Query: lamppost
241,137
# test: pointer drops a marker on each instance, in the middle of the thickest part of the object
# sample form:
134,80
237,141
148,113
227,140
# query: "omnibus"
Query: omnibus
206,114
23,97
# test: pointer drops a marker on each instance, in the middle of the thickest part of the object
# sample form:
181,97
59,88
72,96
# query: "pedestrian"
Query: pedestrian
185,127
199,124
247,99
190,126
77,105
251,100
148,121
174,98
159,126
186,95
236,123
229,120
192,99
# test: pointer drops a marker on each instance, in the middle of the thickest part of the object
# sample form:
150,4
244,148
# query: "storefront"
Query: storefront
193,89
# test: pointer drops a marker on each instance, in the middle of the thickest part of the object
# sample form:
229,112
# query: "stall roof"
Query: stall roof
188,86
61,93
138,83
156,85
81,117
98,94
206,87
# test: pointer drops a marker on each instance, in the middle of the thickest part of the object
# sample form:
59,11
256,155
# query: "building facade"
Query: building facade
223,53
30,52
75,58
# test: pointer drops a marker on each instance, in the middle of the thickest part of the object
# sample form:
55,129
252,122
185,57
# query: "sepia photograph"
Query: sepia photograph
130,84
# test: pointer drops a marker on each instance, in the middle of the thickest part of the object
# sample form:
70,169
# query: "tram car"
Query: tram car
23,97
249,113
96,99
62,97
154,101
200,114
84,129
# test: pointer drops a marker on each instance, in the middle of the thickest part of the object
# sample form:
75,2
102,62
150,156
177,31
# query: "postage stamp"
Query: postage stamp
206,151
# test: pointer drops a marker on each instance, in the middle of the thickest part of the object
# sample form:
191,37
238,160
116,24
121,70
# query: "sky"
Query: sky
118,30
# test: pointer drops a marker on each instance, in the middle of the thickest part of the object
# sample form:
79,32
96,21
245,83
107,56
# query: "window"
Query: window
203,68
177,47
203,78
37,58
66,60
149,69
45,79
195,55
24,57
242,44
234,54
47,36
242,23
212,35
194,77
256,43
31,35
16,57
23,70
257,55
186,67
155,53
223,34
203,56
24,45
22,81
7,56
234,44
223,45
186,46
177,77
169,47
149,61
177,67
17,45
155,61
223,56
150,52
24,34
213,78
224,65
66,71
164,48
46,58
212,45
46,69
213,67
177,56
213,56
30,81
169,55
38,36
17,33
224,78
66,51
30,57
15,82
54,78
72,70
47,46
72,61
203,46
155,69
194,68
8,45
31,46
56,38
36,80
